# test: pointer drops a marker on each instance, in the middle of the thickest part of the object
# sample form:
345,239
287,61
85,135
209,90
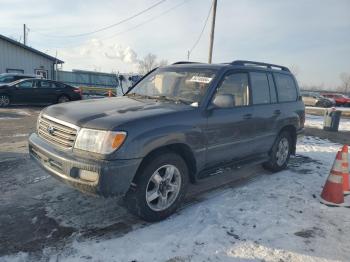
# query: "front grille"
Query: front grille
56,131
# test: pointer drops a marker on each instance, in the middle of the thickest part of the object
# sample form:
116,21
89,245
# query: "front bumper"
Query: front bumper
114,177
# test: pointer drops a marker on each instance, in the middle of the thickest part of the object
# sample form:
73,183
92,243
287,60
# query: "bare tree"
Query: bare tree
149,62
345,79
163,62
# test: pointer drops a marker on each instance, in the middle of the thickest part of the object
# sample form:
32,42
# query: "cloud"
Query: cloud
125,54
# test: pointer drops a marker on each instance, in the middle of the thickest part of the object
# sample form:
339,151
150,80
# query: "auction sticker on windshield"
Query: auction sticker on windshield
201,79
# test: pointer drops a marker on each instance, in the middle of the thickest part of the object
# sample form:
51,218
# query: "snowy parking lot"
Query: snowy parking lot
260,217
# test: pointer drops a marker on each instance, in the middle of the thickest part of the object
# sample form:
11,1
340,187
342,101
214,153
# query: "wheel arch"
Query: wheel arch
182,150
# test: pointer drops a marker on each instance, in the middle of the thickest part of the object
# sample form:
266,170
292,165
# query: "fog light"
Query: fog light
88,175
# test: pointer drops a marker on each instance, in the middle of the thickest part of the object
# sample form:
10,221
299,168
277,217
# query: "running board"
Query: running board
231,166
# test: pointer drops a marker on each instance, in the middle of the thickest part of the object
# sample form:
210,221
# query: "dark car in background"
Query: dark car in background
315,99
179,124
340,99
7,78
37,91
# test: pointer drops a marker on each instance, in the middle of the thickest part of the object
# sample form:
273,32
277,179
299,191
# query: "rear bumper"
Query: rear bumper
114,177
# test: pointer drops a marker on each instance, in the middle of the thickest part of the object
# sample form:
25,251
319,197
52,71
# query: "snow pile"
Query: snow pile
272,218
317,122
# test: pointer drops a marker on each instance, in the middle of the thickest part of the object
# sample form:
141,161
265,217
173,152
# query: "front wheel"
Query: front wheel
159,188
280,153
4,100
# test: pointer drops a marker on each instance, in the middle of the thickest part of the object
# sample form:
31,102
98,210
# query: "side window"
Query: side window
45,84
260,88
273,94
286,88
235,85
25,84
57,85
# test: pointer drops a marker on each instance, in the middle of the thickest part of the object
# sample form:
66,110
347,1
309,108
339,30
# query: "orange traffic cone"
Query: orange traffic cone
332,194
345,170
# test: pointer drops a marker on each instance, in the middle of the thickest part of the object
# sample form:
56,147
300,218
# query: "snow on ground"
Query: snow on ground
317,122
344,109
274,217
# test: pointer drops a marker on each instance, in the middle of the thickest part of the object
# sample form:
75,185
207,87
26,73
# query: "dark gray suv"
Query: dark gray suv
178,124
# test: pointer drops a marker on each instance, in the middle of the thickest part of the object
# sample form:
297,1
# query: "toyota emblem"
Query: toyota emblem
51,130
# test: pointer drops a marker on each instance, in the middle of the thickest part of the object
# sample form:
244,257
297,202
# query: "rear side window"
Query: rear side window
45,84
260,88
286,88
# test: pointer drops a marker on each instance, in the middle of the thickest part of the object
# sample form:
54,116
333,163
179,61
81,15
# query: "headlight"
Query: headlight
99,141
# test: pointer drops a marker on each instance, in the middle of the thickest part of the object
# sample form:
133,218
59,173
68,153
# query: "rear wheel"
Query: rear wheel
280,152
63,99
159,189
4,100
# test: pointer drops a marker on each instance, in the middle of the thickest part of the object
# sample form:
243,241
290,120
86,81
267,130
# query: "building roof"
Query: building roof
54,59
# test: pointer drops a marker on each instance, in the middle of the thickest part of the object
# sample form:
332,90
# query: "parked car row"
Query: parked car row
340,100
37,91
324,99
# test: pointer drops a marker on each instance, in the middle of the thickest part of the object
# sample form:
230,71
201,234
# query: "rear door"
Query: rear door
229,130
266,111
47,92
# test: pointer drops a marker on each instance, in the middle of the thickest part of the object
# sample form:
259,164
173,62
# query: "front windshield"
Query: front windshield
187,85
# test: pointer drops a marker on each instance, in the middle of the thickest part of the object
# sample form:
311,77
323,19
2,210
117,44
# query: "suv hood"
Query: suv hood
109,113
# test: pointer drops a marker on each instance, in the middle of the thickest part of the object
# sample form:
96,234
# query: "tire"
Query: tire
63,99
279,155
147,182
4,100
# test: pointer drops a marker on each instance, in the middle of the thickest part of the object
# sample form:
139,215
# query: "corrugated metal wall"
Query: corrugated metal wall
15,57
84,78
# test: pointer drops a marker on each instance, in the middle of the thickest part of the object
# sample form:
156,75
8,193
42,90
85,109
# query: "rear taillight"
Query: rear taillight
77,90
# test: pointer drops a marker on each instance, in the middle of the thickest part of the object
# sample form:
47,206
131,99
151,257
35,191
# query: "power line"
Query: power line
109,26
201,33
148,21
136,26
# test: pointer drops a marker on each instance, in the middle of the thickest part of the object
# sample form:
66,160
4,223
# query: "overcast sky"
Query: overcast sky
311,36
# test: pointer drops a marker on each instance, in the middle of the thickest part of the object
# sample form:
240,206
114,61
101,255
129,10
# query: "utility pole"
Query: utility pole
212,32
24,34
188,55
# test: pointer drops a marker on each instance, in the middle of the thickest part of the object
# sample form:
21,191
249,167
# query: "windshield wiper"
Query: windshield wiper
162,97
174,99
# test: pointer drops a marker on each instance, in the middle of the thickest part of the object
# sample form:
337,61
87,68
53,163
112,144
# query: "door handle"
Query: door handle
277,112
247,116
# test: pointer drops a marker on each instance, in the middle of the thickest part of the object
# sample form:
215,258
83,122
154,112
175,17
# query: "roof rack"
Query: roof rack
185,62
252,63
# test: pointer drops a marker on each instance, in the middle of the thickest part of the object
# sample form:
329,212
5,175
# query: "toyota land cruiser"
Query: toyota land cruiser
178,124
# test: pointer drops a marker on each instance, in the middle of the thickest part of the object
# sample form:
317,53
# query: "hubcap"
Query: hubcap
4,101
282,151
63,99
163,187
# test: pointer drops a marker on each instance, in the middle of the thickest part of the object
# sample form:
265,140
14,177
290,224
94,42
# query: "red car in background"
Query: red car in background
340,100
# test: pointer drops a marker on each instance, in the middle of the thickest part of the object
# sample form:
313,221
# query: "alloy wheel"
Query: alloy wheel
4,101
163,187
282,151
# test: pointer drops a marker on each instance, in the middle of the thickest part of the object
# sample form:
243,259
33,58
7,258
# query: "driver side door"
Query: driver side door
230,130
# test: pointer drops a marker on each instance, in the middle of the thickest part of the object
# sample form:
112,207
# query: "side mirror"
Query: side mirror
224,101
